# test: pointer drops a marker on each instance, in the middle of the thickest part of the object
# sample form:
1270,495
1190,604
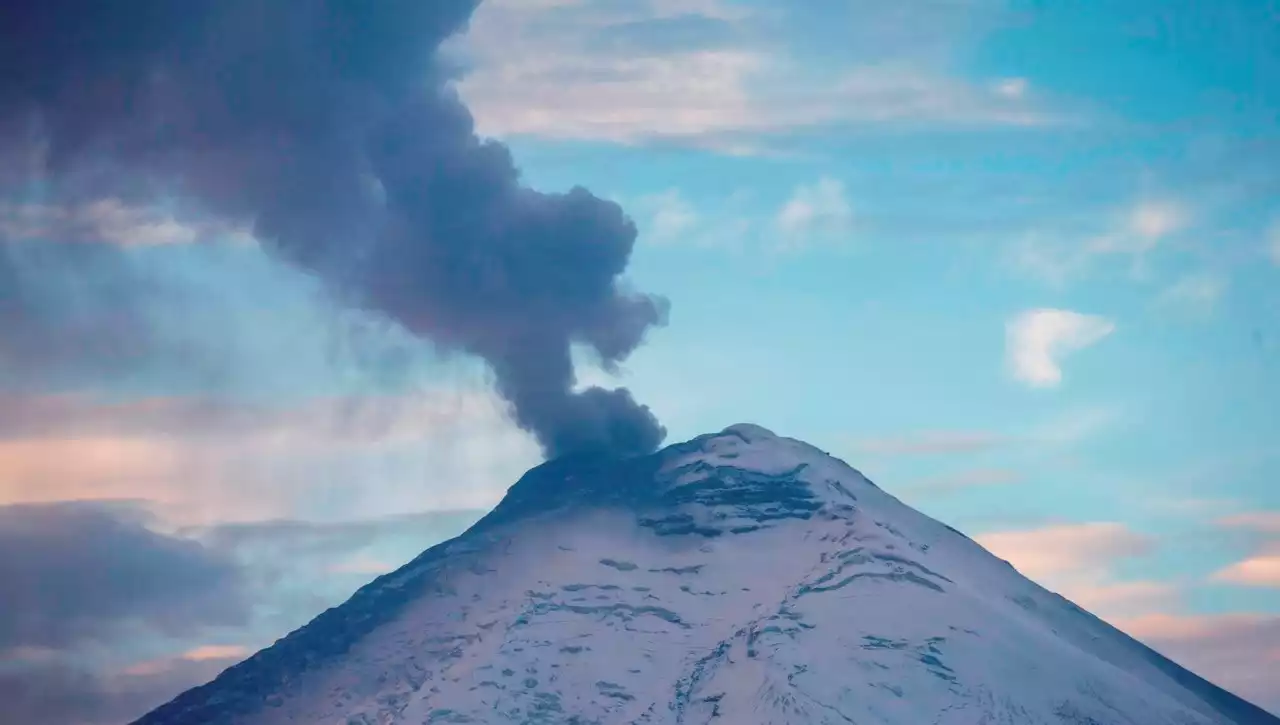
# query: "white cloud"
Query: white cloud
106,221
1037,340
1151,221
1012,87
820,207
550,70
1059,256
671,217
1196,294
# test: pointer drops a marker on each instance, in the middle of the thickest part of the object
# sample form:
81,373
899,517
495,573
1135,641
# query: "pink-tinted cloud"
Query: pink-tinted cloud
197,460
1066,548
1256,571
1078,561
1240,652
1262,567
1267,522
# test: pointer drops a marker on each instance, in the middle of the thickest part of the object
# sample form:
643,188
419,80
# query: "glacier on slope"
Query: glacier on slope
739,578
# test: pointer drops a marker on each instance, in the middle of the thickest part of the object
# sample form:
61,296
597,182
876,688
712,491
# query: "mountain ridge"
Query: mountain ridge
643,556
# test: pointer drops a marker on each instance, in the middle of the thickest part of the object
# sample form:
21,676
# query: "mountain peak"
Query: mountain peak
739,577
733,481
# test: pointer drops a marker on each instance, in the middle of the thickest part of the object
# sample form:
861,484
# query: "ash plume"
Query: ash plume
330,127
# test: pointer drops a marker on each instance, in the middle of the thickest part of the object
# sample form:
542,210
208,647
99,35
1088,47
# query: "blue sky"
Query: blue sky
1018,262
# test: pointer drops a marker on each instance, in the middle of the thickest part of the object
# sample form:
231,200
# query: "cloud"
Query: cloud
671,217
80,572
1066,548
730,223
1065,428
1076,424
212,316
1195,294
1147,224
820,208
67,693
1078,561
202,459
107,221
644,72
1061,255
1012,87
1256,571
216,652
1237,651
1260,521
1262,568
303,543
930,443
963,480
164,621
1037,340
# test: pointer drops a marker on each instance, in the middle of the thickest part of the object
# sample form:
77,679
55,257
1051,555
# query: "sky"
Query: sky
1017,262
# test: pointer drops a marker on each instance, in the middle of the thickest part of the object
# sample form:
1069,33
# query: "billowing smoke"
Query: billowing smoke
330,127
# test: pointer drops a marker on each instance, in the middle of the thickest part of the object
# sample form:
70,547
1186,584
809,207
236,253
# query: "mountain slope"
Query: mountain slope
739,578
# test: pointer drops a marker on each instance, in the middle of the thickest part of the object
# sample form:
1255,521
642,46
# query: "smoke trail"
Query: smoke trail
330,127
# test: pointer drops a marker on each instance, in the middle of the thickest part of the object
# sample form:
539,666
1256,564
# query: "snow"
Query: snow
756,580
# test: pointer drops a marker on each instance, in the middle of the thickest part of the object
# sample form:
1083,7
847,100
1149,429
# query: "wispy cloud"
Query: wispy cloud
1081,561
215,652
1194,294
1066,428
671,218
963,480
819,208
1238,651
107,221
930,442
1078,561
1130,233
1037,340
1260,521
203,460
1262,570
1145,225
602,71
1066,549
1262,567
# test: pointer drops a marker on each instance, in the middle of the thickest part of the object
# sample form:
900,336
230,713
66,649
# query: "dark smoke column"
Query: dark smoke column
330,125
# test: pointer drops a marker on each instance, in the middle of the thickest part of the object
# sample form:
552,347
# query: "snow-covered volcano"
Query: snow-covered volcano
739,578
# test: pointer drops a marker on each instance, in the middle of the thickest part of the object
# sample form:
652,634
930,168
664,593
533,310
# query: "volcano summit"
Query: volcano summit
739,578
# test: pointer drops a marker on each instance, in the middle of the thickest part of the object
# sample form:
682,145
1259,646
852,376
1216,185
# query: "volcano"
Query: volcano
740,578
